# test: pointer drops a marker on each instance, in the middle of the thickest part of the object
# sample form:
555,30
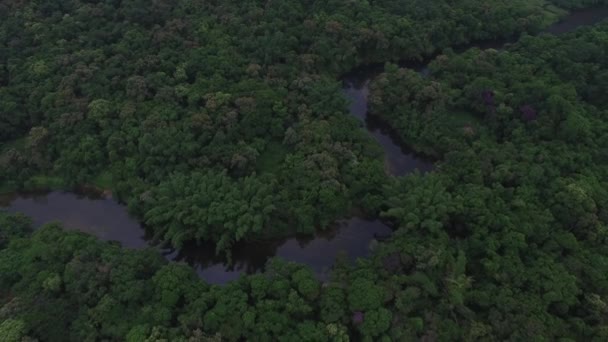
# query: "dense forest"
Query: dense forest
178,105
223,121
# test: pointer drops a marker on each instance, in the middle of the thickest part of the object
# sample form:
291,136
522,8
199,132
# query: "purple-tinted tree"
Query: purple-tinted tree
528,113
488,97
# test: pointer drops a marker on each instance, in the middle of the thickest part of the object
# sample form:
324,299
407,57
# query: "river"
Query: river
399,159
93,213
107,219
577,19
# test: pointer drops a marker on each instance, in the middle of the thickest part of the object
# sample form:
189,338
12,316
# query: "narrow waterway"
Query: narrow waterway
577,19
105,218
399,159
88,212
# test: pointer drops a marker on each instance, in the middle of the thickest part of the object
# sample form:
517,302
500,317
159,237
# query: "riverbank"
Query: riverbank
404,155
91,212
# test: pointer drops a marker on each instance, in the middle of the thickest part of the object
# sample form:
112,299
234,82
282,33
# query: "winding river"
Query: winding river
400,160
105,218
108,220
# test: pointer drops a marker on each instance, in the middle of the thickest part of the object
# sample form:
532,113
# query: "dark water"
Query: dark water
108,220
353,237
577,19
87,212
399,159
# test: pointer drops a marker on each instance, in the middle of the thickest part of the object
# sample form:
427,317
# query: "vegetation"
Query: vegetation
223,121
514,223
133,96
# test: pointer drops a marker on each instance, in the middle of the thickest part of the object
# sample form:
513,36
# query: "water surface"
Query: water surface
577,19
110,221
352,238
399,159
86,212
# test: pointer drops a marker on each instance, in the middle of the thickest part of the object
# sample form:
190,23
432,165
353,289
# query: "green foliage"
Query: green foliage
103,180
502,236
210,206
224,122
272,157
44,182
364,295
61,285
12,330
126,96
376,322
17,144
12,227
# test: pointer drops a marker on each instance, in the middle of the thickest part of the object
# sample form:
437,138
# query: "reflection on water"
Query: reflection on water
577,19
86,212
399,159
351,237
108,220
